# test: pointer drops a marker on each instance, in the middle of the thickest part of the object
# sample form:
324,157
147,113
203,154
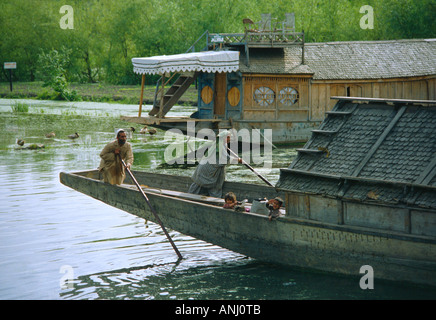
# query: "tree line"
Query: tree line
107,34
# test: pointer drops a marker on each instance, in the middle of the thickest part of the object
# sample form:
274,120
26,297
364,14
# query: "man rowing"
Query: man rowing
209,176
110,165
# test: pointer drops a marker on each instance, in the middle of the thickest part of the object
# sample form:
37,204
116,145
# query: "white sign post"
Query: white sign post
10,66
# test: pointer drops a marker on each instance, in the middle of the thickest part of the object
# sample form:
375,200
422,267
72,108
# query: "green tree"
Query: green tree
407,19
26,29
52,68
108,34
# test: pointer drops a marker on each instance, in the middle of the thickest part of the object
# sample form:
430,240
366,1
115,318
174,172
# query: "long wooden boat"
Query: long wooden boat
288,240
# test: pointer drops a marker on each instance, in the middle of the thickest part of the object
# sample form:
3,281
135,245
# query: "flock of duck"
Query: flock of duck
50,135
145,130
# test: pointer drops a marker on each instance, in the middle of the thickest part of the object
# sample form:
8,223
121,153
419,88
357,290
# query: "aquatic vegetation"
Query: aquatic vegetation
35,146
20,107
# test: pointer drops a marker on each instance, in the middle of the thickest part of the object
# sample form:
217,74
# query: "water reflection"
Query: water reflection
238,278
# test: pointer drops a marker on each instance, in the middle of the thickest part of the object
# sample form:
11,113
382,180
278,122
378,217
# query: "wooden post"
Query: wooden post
162,96
142,95
10,78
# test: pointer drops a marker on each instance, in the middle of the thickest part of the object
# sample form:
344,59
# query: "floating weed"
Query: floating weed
20,107
69,113
38,110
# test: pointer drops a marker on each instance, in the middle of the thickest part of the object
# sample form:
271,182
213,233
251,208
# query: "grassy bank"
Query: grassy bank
91,92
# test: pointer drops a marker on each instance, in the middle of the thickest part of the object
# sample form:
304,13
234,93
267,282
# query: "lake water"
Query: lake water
49,232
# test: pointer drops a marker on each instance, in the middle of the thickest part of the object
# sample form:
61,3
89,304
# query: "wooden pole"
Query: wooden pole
10,78
251,168
142,95
162,96
152,209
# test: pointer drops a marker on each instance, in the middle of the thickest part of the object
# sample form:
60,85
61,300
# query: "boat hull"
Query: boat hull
286,241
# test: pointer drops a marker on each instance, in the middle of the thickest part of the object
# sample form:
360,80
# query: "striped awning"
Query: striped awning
207,61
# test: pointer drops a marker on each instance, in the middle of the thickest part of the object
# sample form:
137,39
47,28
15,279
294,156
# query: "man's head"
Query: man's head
121,137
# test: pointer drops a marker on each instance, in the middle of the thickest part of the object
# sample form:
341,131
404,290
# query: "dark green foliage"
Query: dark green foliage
52,69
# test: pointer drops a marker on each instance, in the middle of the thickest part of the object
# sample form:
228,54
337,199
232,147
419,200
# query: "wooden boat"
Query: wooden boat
288,240
362,192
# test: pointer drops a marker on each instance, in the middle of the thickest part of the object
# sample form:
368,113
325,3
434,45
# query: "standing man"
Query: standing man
209,176
110,164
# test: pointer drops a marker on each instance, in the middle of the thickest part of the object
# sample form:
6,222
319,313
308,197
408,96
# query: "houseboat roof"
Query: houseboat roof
347,60
207,61
375,150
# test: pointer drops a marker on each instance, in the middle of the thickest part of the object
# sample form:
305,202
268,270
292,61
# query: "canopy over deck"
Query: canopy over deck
208,61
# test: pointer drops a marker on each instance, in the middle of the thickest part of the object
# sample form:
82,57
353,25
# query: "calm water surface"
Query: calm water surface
49,233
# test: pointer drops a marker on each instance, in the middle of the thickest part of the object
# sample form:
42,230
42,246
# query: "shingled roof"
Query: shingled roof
370,151
348,59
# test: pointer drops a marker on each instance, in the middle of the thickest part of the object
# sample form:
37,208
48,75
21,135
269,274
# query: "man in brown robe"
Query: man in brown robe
110,164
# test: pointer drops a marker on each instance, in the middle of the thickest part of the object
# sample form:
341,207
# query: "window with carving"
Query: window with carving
264,96
288,96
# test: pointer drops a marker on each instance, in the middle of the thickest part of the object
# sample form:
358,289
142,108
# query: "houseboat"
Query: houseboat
269,78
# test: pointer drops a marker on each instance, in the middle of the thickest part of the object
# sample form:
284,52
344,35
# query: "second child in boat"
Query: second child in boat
232,203
229,200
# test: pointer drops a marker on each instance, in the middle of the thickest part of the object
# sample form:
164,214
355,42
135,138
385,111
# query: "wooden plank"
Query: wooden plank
325,131
383,100
338,113
220,93
358,179
182,195
178,89
429,172
155,120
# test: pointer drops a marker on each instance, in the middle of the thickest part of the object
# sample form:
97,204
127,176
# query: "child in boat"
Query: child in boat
231,203
230,200
274,207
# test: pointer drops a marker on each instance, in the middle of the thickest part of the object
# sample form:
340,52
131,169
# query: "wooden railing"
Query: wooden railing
253,38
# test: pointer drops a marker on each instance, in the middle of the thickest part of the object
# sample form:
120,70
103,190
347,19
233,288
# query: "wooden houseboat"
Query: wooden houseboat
269,78
362,192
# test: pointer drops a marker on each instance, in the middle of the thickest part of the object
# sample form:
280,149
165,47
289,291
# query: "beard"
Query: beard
121,142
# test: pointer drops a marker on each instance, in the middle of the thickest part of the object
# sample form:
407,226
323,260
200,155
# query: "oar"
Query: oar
152,209
251,168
